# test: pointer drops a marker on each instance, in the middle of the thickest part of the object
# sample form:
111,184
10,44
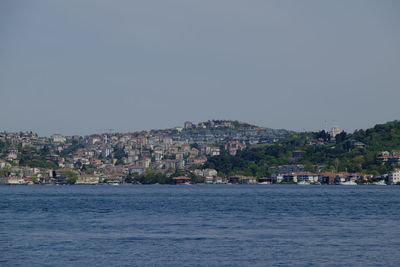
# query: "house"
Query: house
277,178
328,178
234,179
134,169
12,155
58,138
208,180
180,164
289,178
188,125
234,146
209,172
390,159
114,180
4,164
45,180
88,179
343,177
307,177
169,163
219,180
296,177
394,177
12,180
249,180
265,180
285,169
59,177
394,160
197,172
182,180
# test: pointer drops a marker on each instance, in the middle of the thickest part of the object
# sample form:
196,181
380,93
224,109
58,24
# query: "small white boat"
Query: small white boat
381,182
348,183
303,183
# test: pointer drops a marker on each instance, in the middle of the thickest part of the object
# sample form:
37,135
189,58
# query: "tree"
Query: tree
308,167
4,172
70,176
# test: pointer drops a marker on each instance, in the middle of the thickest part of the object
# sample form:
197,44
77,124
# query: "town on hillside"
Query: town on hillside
178,155
27,158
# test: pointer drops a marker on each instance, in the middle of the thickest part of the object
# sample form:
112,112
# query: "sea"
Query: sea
200,225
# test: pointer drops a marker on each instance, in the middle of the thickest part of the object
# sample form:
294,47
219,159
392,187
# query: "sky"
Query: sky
81,67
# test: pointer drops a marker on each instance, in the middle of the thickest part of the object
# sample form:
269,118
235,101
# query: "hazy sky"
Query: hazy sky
79,67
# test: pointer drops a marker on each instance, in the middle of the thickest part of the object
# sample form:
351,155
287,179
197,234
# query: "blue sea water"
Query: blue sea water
199,225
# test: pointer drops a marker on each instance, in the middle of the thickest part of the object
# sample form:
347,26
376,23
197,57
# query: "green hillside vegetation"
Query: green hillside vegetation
355,152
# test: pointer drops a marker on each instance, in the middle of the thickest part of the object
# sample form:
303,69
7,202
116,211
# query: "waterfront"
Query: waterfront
199,225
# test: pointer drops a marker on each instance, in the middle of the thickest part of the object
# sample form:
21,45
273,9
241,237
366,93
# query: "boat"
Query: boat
348,183
303,183
381,182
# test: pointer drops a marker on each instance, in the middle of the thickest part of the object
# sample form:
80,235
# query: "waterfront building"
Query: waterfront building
394,177
88,179
182,180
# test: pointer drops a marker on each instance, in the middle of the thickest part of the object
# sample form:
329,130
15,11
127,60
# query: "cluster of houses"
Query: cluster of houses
110,155
391,158
27,175
328,178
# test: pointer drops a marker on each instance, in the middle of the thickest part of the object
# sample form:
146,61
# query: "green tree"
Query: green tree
70,176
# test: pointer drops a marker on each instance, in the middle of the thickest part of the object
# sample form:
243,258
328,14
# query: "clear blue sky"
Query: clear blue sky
79,67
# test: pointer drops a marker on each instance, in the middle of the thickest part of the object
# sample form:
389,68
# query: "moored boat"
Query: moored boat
303,183
348,183
381,182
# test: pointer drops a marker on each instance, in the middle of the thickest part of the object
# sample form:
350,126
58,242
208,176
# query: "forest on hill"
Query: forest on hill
355,152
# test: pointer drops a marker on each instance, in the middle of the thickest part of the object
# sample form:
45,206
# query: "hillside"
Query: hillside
360,151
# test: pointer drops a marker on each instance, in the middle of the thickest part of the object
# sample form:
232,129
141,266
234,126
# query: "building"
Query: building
394,177
134,169
249,180
234,179
219,180
297,177
182,180
265,180
335,131
208,180
58,138
209,172
328,178
188,125
88,179
234,146
285,169
12,180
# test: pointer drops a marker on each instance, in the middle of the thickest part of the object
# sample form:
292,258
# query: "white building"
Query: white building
335,131
188,125
394,177
210,172
58,138
105,152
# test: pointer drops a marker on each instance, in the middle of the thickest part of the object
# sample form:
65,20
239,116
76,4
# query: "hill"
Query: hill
371,151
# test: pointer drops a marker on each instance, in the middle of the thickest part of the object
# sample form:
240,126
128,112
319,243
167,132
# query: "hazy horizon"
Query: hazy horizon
80,67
